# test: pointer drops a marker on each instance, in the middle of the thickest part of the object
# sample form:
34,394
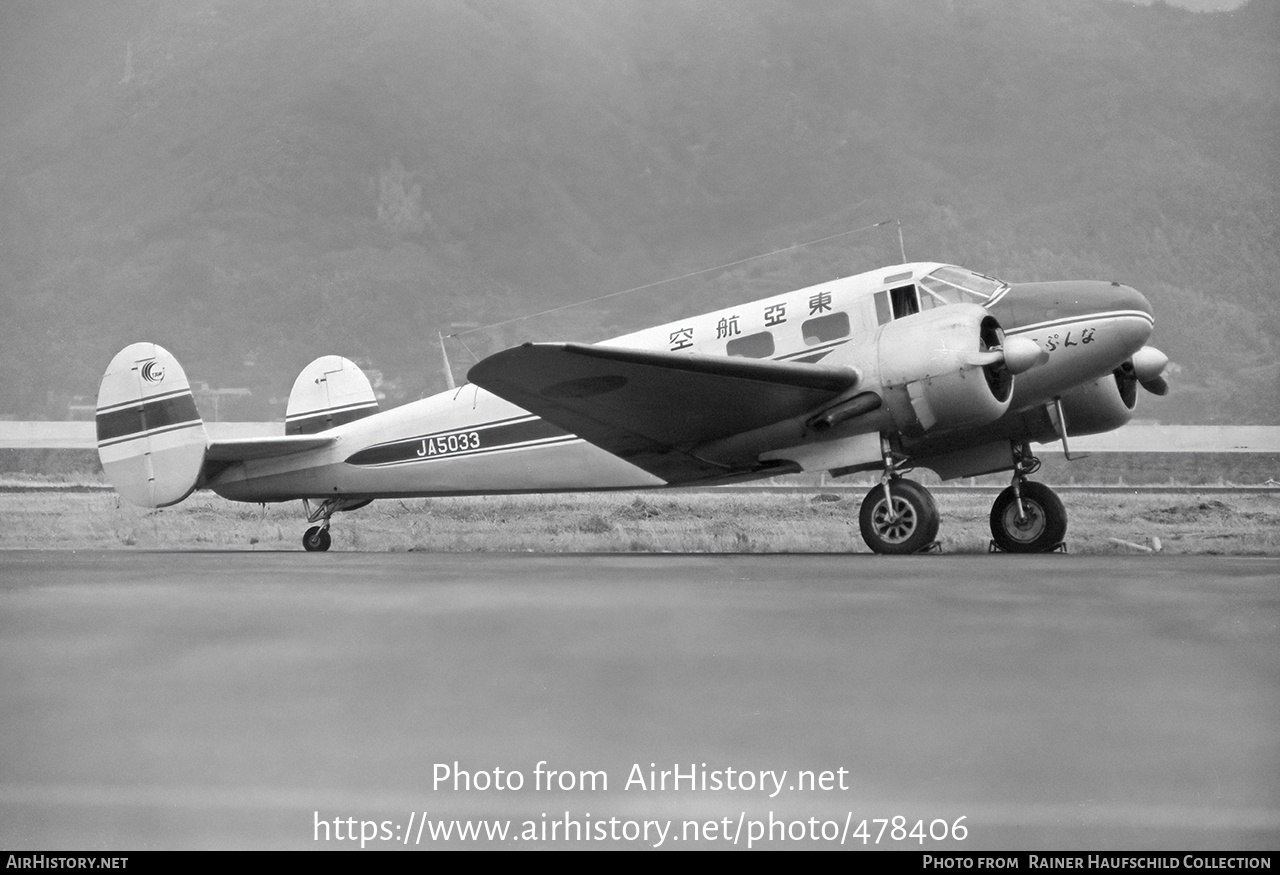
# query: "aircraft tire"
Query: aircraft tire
316,540
915,527
1042,530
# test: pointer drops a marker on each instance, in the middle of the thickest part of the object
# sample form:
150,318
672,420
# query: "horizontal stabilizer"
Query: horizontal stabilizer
247,449
653,408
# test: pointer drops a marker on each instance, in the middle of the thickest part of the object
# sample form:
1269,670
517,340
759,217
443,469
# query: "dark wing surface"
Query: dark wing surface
655,408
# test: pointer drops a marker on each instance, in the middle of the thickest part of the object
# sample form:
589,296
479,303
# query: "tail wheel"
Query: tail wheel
1039,529
908,525
316,540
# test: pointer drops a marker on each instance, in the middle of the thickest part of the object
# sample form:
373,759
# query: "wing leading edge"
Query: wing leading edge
655,408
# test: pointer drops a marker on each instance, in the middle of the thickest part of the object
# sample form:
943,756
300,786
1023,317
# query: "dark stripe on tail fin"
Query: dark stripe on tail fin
151,442
331,391
323,420
138,419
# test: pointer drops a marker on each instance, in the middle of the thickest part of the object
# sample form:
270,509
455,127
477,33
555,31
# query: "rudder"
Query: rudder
330,391
151,439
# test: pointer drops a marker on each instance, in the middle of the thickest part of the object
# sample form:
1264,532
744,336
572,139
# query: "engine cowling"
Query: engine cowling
943,369
1101,406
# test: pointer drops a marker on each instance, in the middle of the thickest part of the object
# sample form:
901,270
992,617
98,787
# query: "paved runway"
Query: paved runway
243,700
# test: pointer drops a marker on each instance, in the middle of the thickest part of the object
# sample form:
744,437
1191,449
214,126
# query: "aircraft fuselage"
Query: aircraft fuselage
469,441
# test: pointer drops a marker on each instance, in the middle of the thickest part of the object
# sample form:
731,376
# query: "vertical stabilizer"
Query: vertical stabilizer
151,440
330,391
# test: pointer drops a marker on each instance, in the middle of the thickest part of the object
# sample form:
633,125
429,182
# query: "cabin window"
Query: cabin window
830,327
753,346
904,301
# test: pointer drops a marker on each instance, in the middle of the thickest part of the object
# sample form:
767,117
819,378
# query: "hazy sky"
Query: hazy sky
1198,5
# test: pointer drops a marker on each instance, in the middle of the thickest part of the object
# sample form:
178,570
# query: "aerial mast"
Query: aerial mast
444,355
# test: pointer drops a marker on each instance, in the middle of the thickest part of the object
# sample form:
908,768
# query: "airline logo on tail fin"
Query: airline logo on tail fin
153,371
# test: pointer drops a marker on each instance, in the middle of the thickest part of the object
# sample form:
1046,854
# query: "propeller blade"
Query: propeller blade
983,359
1156,386
1018,354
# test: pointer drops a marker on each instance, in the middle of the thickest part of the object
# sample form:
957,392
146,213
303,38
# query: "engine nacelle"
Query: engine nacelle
937,370
1101,406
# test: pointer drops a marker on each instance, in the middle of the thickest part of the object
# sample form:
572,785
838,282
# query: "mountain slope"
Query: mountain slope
255,184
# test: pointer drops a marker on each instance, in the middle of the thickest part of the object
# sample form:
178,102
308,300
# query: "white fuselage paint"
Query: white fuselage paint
469,441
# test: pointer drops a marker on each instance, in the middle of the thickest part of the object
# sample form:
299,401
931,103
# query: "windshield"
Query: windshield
955,285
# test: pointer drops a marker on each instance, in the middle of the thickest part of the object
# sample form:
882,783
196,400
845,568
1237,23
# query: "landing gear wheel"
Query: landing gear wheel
912,525
316,540
1042,528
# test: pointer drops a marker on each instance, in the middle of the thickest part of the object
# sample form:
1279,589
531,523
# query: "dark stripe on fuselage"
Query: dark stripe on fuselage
147,416
455,442
812,354
812,359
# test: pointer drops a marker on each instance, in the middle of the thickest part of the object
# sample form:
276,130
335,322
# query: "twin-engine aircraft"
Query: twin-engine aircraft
915,365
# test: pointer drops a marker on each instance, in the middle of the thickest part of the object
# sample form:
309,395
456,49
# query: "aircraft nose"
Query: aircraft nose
1137,330
1124,310
1127,302
1102,297
1129,298
1073,297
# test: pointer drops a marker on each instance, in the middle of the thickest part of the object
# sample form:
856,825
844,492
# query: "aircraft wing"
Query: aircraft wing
655,408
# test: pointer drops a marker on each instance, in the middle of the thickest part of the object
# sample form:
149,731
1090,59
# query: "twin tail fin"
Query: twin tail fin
154,447
151,439
330,391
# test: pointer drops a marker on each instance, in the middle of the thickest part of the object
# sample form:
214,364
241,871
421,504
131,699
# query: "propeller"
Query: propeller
1148,368
1022,354
1157,386
1019,354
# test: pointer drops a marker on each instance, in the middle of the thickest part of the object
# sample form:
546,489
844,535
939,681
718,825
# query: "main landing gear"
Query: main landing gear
317,539
899,516
1027,517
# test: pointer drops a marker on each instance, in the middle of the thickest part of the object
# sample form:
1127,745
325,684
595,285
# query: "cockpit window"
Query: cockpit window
955,285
